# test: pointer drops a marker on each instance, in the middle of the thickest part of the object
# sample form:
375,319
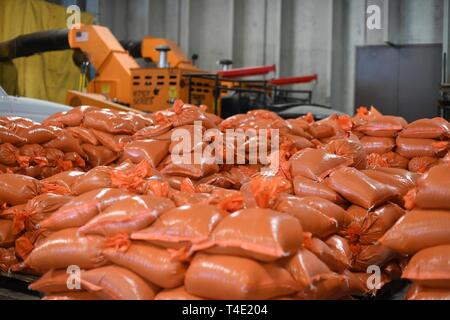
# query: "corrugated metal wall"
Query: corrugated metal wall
299,36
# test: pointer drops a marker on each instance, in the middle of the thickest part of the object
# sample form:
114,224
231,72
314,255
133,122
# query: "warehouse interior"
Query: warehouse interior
93,93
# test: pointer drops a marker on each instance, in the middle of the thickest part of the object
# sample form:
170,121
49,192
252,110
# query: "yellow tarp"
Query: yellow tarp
45,76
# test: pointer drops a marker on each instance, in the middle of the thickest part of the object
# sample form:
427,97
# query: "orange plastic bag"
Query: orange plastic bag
112,142
316,164
238,279
311,219
430,267
382,126
304,187
64,248
433,190
334,259
151,263
6,228
435,128
378,145
371,255
85,135
262,234
412,148
17,189
422,164
350,149
107,121
326,287
71,118
7,259
417,230
83,208
65,180
65,142
305,268
196,167
181,227
374,224
128,215
151,151
359,189
179,293
417,292
69,296
99,155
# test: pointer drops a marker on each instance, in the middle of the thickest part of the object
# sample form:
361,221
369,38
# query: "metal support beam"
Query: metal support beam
446,43
391,22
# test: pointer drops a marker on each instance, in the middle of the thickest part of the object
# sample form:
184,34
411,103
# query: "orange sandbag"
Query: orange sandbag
128,215
179,293
357,213
116,283
350,149
52,282
321,130
152,263
65,142
17,189
433,190
334,259
382,126
417,230
378,145
85,135
430,267
8,154
435,128
64,179
7,259
262,234
400,180
329,209
108,121
412,148
327,287
305,268
371,255
374,224
316,164
38,134
113,142
238,279
311,219
8,136
359,189
83,208
181,226
304,187
5,230
71,118
196,166
69,296
151,151
96,178
99,155
64,248
417,292
422,164
388,160
340,246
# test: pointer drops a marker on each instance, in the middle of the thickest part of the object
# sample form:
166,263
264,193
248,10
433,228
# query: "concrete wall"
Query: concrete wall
299,36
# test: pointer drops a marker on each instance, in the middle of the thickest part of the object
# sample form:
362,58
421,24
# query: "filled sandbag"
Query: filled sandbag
262,234
304,187
378,145
359,189
435,128
179,293
316,164
417,230
238,279
412,148
17,189
182,226
64,248
128,215
417,292
152,263
430,267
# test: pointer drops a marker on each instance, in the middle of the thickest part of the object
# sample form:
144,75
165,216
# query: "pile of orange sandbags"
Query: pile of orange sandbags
424,235
140,226
423,142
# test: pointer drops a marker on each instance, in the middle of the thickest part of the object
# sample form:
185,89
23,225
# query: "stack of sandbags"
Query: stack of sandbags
424,235
377,133
423,142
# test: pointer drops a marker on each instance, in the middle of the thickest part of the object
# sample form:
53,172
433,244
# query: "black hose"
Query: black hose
30,44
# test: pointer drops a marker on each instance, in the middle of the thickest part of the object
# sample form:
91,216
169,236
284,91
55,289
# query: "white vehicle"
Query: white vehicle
34,109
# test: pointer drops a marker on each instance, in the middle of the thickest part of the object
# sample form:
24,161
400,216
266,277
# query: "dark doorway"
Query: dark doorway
401,81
